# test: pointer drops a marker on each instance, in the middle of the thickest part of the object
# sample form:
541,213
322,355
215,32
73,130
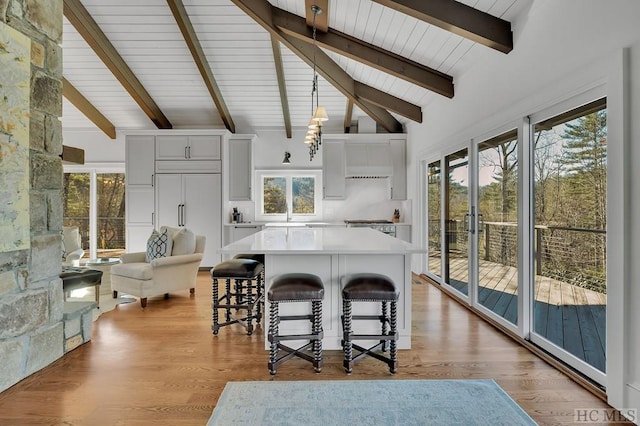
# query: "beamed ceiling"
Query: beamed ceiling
247,64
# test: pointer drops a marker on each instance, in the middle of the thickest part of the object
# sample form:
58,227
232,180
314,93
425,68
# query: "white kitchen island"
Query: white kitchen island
331,253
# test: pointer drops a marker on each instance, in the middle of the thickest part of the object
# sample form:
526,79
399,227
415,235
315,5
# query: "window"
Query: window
288,195
94,202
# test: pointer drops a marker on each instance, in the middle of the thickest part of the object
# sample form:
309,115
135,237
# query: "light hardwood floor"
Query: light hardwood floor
163,366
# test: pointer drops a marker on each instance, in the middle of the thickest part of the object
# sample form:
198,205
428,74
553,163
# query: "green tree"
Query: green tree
585,154
275,195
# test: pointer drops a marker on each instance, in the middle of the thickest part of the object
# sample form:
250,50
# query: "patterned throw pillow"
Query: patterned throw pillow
158,245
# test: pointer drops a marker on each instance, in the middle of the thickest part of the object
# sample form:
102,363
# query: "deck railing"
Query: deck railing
573,255
111,232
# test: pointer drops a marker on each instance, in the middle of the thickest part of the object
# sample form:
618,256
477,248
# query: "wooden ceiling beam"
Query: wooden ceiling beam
191,38
342,81
82,21
459,19
348,113
387,101
72,155
277,59
92,113
262,12
366,53
322,19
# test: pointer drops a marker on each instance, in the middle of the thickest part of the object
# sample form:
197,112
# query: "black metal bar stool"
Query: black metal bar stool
245,295
259,258
296,287
370,287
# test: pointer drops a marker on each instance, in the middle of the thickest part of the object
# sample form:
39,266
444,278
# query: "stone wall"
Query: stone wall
31,306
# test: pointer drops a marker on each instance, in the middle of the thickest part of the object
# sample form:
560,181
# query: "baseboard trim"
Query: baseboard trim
583,381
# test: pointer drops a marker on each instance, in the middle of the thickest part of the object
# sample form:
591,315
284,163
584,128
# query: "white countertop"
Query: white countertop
299,224
330,240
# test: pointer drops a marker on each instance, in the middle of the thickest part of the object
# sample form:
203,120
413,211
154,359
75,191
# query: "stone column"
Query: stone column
31,308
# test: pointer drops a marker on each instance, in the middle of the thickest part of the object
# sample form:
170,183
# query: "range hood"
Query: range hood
368,160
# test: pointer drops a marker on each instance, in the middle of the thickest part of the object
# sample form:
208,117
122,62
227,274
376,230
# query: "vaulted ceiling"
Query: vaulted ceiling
247,64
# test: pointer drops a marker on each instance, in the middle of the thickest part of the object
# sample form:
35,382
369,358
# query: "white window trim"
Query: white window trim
94,170
288,174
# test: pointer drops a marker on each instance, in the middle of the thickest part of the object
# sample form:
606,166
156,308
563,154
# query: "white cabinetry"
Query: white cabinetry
240,168
403,232
139,160
238,232
180,147
333,170
173,178
399,163
193,201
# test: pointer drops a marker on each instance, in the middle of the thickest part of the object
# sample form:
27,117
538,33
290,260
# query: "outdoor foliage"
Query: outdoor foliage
275,195
570,168
303,195
110,204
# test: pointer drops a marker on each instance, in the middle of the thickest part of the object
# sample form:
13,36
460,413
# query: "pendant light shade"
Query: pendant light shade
320,115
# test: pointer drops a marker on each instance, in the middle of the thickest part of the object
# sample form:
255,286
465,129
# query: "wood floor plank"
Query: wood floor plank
163,366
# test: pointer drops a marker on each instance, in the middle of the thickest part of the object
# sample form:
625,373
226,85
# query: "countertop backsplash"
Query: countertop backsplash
365,199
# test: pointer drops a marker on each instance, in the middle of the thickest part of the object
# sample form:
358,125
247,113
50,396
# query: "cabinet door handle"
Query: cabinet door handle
185,153
153,180
183,211
179,220
189,151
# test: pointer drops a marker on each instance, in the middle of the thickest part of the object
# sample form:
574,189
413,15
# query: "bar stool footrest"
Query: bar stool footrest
291,352
393,364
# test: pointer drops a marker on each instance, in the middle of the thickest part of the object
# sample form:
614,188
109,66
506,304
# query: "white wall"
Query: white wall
563,48
269,151
365,198
98,147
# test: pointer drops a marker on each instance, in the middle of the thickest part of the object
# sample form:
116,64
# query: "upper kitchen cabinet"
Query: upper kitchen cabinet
399,163
333,170
140,160
240,167
192,153
181,147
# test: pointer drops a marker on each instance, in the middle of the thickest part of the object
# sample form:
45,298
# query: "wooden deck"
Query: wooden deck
569,316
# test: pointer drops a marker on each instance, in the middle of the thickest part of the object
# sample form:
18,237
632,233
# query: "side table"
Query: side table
103,264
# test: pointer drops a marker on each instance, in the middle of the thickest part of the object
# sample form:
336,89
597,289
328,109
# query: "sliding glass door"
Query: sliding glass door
516,225
456,221
434,219
497,225
570,288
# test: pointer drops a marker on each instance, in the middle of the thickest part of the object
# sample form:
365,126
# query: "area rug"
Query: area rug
367,402
107,302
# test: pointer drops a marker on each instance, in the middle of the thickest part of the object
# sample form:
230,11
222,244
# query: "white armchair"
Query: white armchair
163,275
72,250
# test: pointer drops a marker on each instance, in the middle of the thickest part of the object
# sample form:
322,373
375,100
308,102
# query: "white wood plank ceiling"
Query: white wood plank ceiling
238,51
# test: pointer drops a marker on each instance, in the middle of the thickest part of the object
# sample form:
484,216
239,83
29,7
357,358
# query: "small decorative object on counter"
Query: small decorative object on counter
396,216
236,216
